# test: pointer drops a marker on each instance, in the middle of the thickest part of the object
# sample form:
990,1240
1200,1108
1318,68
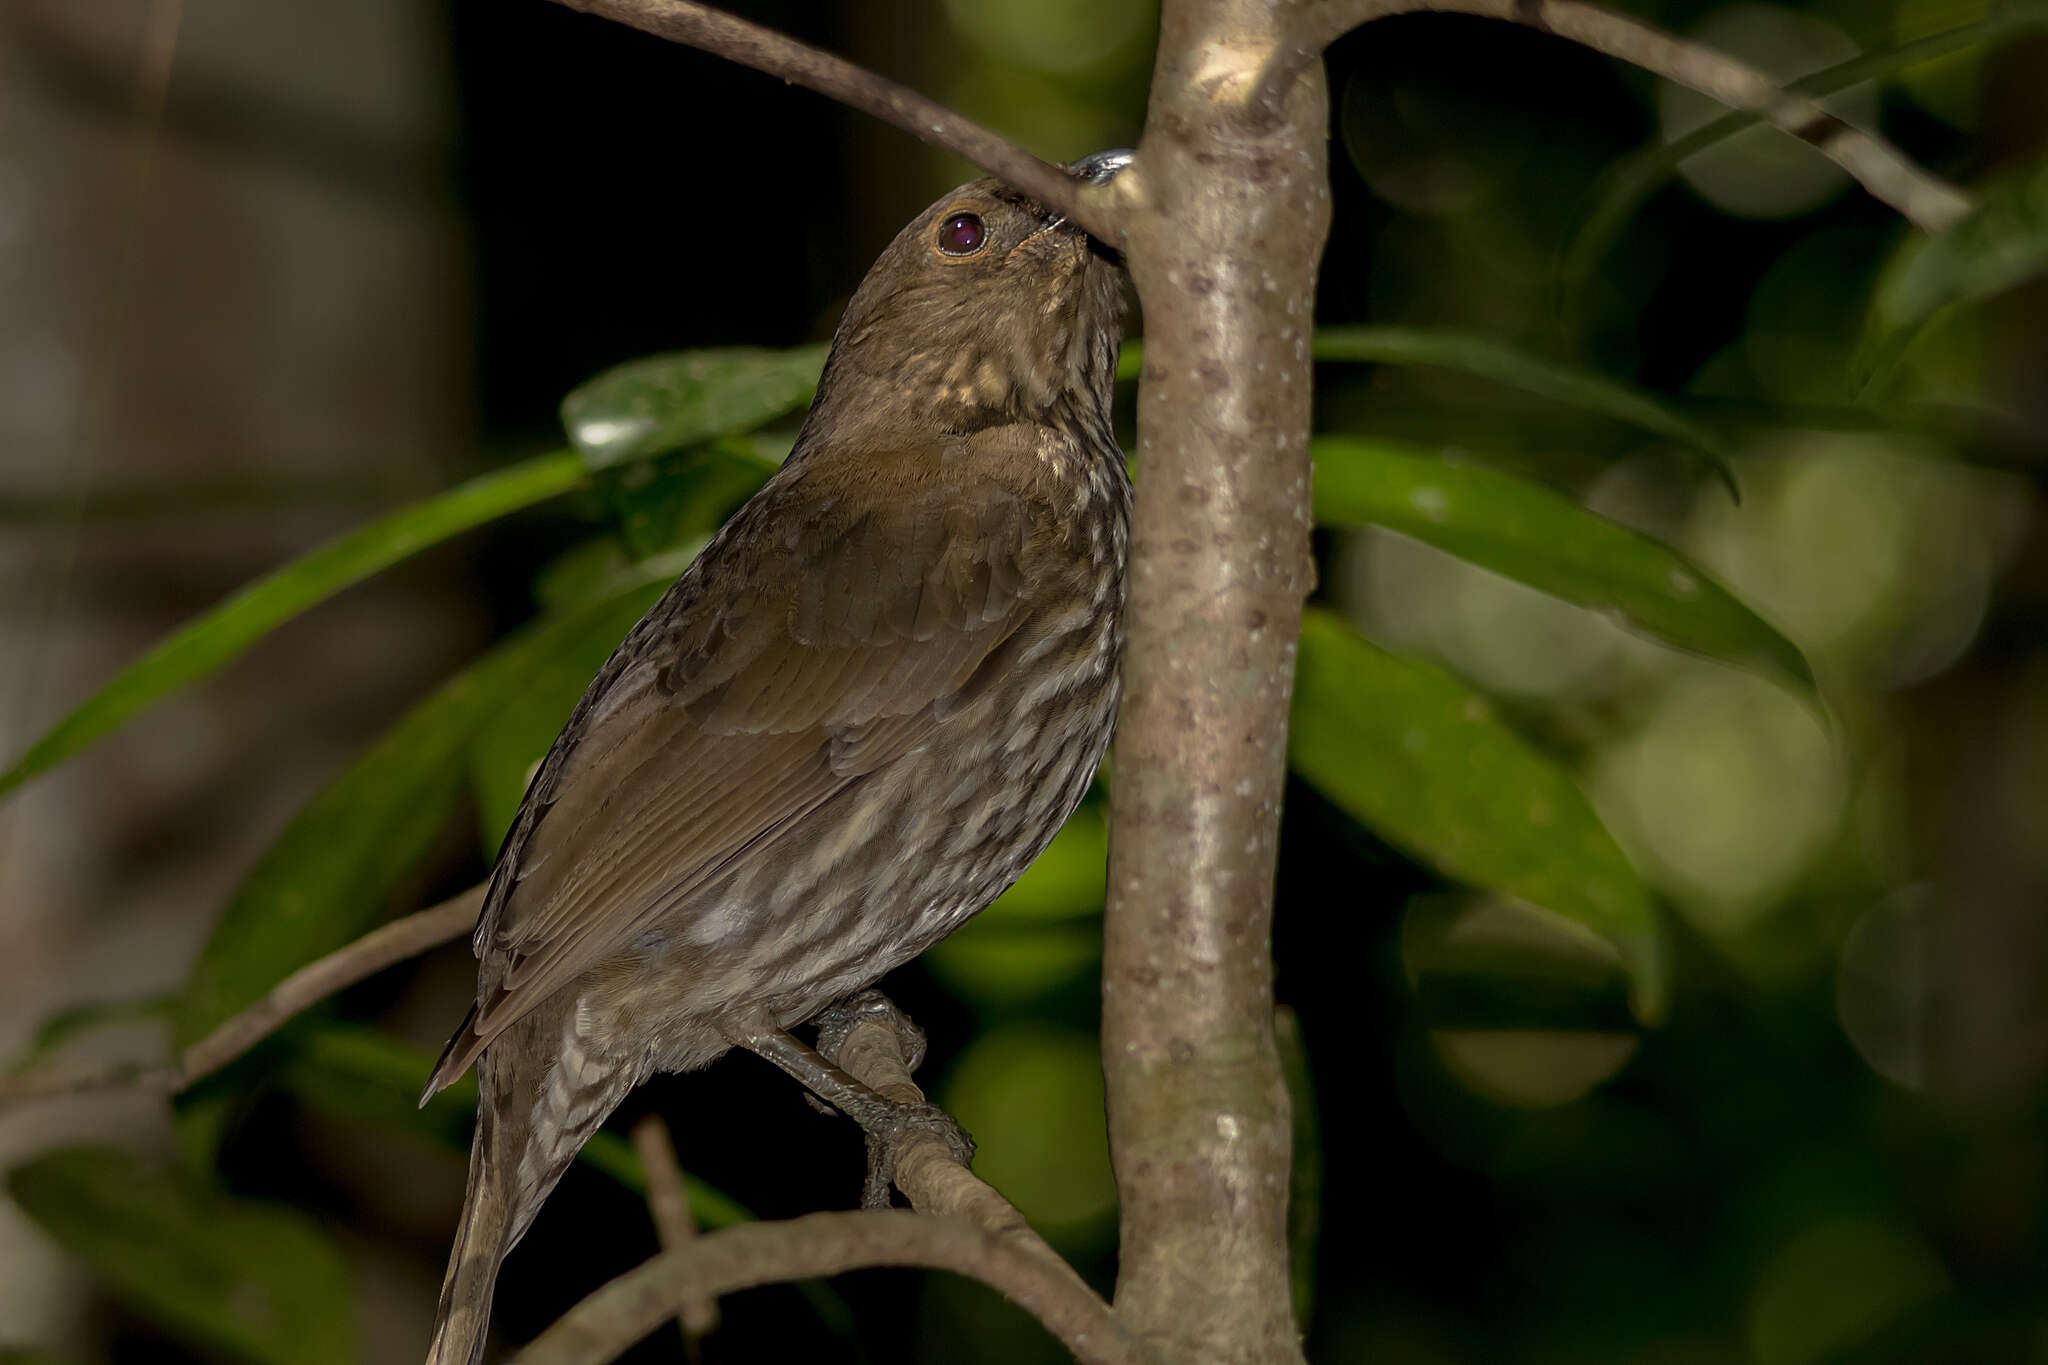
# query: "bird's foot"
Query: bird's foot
886,1132
835,1022
888,1119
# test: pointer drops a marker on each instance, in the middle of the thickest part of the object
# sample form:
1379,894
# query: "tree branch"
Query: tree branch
752,1254
960,1225
372,953
931,1179
668,1199
749,44
1924,199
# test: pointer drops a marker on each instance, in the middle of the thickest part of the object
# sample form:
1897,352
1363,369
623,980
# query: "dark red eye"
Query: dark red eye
962,235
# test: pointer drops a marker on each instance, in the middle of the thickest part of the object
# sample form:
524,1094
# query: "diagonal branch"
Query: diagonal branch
749,44
372,953
1921,197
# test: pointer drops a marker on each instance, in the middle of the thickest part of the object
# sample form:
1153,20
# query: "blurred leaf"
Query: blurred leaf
1067,880
997,964
224,633
79,1020
327,878
1517,369
515,734
1634,179
361,1073
256,1280
1418,756
1526,532
1305,1174
1836,1285
665,402
659,503
2000,246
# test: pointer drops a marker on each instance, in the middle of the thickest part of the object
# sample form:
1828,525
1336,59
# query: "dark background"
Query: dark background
353,259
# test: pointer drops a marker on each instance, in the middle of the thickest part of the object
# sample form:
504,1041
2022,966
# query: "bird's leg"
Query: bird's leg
885,1120
836,1021
905,1041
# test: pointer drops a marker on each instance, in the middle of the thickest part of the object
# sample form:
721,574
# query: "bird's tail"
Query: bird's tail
522,1147
490,1223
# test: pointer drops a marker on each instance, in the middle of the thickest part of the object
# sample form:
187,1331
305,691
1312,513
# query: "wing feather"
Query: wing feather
812,644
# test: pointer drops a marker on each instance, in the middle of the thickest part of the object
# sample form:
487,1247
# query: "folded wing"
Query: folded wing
823,637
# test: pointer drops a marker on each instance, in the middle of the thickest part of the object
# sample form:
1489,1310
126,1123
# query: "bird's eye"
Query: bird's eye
962,235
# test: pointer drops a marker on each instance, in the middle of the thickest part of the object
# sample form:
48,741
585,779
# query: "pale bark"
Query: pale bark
1227,210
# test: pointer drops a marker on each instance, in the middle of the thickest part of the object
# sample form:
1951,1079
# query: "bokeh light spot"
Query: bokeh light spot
1876,560
1723,795
1031,1094
1503,636
1051,36
1837,1285
1533,1068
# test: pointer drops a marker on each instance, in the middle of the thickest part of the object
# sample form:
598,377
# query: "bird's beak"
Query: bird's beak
1102,167
1098,169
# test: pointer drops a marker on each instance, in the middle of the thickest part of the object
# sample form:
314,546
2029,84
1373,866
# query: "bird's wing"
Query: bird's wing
820,640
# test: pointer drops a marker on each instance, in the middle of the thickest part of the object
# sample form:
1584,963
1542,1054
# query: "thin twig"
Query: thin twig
1922,197
368,955
668,1199
612,1319
749,44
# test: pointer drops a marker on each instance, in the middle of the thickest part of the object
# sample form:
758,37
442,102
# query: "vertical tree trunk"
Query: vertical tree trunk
1229,209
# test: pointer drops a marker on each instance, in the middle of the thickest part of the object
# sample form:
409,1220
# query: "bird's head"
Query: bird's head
987,309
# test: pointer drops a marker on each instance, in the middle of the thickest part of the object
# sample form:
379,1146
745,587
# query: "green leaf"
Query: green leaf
1570,385
665,402
221,635
1486,358
1422,759
660,503
2000,246
516,736
1634,179
1526,532
255,1280
327,878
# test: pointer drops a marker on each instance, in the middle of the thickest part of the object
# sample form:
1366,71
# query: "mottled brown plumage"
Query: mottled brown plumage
860,714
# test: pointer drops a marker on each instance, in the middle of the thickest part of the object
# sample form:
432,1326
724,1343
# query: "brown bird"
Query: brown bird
855,719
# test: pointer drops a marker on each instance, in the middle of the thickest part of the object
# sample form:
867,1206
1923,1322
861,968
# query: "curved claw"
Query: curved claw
836,1021
889,1130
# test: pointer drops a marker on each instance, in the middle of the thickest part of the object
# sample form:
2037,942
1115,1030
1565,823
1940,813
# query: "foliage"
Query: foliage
258,1281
